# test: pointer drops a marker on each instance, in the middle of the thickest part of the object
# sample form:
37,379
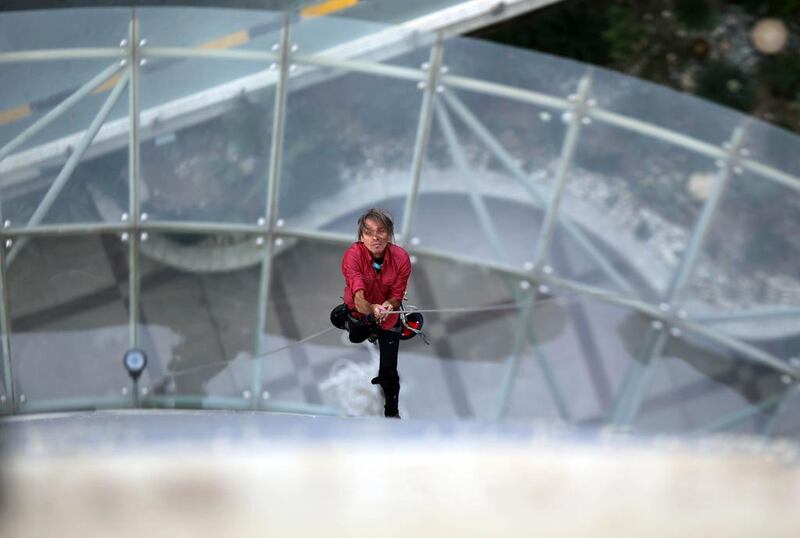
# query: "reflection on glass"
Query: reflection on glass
519,68
68,317
212,170
657,105
198,309
637,199
697,384
347,141
745,282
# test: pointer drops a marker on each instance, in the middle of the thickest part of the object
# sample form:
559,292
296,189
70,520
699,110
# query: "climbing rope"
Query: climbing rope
502,306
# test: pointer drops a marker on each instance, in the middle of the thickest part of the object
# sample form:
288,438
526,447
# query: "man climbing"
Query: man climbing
376,273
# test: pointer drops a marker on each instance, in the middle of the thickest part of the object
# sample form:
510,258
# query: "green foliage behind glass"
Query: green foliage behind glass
695,14
728,85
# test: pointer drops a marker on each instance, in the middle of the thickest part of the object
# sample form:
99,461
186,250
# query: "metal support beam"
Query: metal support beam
48,230
704,222
736,417
423,134
780,411
59,110
637,378
543,362
46,55
560,180
72,163
271,202
217,54
502,155
748,351
753,314
133,195
5,331
473,191
543,242
513,360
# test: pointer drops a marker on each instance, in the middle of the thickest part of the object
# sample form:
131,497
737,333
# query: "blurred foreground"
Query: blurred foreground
215,474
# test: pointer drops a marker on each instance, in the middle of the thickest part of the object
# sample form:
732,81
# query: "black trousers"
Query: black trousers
388,378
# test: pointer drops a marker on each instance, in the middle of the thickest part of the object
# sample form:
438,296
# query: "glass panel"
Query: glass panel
200,165
99,182
206,123
63,28
574,365
461,373
198,302
520,68
772,146
97,191
699,385
306,283
497,214
348,142
212,28
786,420
317,35
657,105
346,38
31,90
746,282
635,201
69,320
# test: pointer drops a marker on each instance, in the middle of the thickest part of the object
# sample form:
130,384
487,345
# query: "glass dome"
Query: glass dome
589,248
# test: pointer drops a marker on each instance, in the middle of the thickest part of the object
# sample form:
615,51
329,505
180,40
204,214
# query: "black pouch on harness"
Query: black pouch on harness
339,316
359,329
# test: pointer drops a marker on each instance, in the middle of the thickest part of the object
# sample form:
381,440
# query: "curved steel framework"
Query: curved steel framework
439,100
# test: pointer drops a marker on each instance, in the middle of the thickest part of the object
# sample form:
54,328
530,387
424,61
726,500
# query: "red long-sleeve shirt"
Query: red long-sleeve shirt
389,283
